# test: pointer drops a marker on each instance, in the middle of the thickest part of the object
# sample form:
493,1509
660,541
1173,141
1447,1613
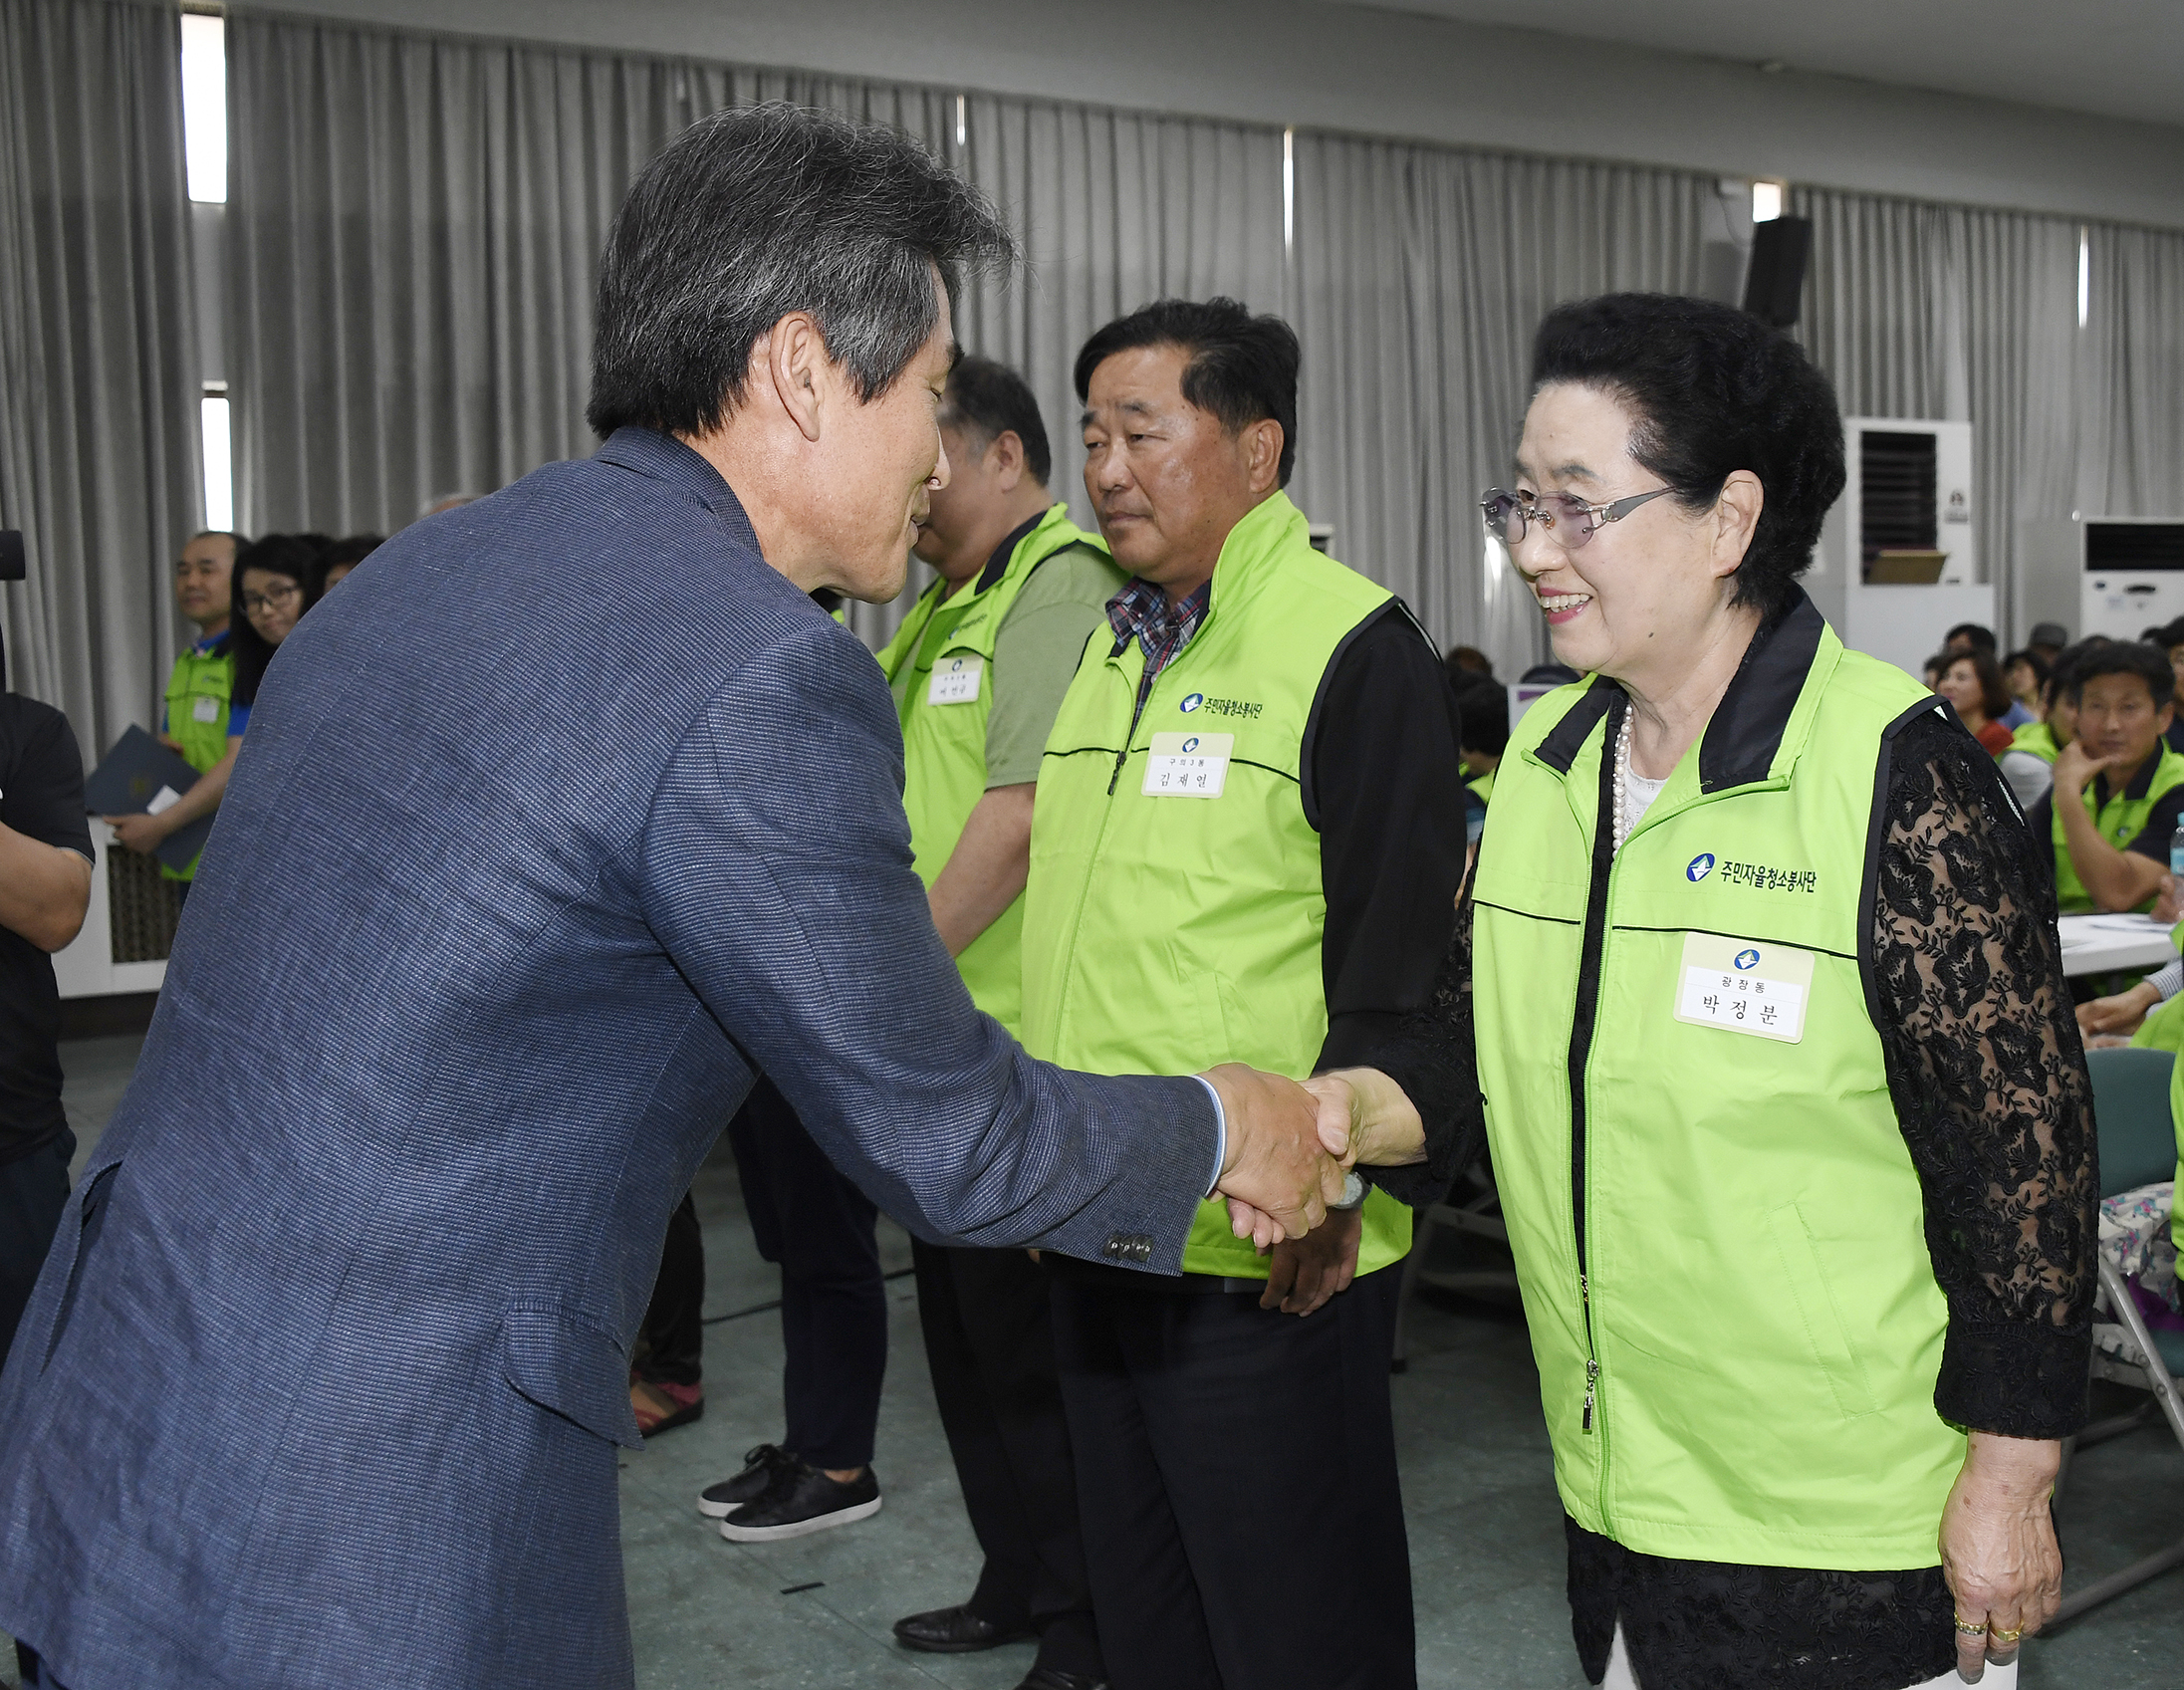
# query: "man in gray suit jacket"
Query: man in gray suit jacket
566,816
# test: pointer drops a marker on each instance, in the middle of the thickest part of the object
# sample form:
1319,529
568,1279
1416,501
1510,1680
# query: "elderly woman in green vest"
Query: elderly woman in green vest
1785,1099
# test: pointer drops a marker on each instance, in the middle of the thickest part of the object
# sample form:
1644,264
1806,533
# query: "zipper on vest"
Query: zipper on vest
1121,757
1580,1035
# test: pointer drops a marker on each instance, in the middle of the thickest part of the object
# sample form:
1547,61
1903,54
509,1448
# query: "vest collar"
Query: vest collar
1258,537
1744,737
662,458
997,566
2142,782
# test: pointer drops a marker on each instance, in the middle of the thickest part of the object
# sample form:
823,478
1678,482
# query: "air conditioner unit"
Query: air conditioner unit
1902,541
2130,575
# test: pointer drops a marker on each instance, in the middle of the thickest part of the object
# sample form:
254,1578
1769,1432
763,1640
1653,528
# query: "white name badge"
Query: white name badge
164,798
1188,764
1744,986
204,709
955,679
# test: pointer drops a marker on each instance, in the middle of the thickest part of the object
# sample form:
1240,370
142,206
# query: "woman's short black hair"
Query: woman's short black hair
1712,391
1242,369
294,555
2123,657
990,399
751,214
2033,661
1994,696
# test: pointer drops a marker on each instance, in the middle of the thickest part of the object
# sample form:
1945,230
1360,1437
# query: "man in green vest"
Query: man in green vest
2119,788
1246,845
197,719
978,671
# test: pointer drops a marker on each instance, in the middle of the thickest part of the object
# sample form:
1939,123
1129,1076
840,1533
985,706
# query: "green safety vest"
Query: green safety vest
1167,931
2039,739
2120,819
1484,787
944,652
1719,1233
199,689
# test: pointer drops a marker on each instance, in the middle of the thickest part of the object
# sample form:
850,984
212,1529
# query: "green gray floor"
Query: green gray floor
1485,1528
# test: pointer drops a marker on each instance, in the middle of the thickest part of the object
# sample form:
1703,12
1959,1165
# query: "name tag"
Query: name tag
955,680
1744,986
204,709
1188,764
164,798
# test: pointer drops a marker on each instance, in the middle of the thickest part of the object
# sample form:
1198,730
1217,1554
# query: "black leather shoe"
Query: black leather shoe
1046,1678
953,1631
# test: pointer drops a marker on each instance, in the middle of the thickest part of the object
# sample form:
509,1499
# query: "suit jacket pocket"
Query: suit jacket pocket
570,1366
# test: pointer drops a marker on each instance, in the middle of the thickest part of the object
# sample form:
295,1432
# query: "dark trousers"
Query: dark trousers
1236,1474
834,1305
989,1337
34,1189
671,1342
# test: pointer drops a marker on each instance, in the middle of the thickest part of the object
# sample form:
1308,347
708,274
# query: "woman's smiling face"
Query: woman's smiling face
273,601
1637,587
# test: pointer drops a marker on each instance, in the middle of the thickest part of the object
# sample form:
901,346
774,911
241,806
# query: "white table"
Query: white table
2110,944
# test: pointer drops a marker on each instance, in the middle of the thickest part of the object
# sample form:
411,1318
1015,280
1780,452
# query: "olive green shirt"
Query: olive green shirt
1035,652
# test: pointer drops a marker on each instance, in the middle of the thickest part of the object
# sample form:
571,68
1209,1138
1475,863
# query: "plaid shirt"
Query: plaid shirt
1145,613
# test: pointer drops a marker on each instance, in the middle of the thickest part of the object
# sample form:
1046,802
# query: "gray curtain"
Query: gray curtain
2131,392
99,446
417,221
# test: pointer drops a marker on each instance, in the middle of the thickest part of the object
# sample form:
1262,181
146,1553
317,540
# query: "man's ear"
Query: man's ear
1262,443
1007,453
789,360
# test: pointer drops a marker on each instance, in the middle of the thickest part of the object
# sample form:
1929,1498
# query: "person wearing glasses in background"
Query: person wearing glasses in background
269,591
1796,1153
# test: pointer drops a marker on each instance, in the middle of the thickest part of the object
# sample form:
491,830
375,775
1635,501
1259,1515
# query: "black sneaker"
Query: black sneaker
760,1465
801,1503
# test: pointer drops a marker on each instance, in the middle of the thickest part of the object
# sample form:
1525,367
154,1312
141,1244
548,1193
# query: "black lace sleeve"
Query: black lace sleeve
1988,1077
1430,1054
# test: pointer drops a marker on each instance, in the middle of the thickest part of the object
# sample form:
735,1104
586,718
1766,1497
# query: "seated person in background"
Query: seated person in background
1467,660
1483,735
1969,637
1933,669
338,558
194,718
1973,684
2026,674
2119,788
2029,764
2171,641
268,597
2048,641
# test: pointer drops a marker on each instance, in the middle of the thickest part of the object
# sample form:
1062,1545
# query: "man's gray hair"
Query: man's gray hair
755,213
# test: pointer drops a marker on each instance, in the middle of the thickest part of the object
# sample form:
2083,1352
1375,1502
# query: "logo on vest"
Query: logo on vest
1746,960
1192,702
1191,744
1700,867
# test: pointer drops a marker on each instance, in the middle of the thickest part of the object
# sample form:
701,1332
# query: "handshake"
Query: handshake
1292,1144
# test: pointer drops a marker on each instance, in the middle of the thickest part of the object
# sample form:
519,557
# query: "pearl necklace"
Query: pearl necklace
1621,824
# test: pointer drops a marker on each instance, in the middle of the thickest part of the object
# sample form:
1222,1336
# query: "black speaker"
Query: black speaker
1775,280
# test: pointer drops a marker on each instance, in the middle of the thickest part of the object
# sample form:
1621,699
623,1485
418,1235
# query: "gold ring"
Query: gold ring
1969,1629
2007,1637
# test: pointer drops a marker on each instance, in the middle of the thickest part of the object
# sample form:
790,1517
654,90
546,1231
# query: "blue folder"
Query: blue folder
135,777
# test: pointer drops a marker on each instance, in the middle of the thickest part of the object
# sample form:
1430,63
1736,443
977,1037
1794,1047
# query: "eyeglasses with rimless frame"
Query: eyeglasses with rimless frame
1570,521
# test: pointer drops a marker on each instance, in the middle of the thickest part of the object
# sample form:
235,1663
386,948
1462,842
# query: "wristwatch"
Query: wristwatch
1353,1191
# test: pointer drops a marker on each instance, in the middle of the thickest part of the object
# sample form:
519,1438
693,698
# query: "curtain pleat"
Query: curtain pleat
99,445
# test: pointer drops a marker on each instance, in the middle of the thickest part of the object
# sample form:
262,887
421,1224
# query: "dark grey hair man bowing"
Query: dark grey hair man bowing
321,1383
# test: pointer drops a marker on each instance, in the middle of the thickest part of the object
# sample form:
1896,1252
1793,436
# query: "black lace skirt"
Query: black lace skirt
1710,1625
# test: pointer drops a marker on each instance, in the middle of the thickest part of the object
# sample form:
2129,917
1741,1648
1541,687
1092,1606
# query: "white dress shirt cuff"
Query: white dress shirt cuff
1220,1132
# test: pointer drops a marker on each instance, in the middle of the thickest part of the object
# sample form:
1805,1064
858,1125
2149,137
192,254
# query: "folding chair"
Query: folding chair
2138,1146
1475,1207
